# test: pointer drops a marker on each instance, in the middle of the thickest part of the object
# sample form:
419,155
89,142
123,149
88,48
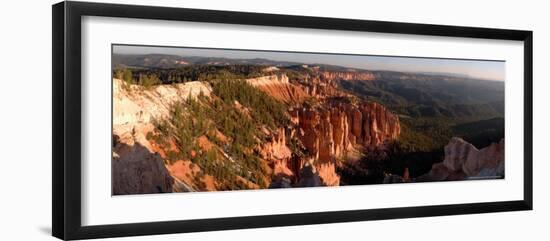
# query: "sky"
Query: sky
483,69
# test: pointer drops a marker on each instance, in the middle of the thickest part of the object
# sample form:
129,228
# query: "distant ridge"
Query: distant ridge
168,61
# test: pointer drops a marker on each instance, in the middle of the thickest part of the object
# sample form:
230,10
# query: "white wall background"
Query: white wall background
25,123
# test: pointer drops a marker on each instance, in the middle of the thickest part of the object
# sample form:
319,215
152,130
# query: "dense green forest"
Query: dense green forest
433,96
189,73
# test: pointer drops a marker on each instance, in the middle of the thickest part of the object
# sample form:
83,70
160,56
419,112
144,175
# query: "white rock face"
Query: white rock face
133,105
136,168
464,161
463,156
270,69
268,80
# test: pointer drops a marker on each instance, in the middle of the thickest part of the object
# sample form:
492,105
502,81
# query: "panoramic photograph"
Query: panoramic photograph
200,119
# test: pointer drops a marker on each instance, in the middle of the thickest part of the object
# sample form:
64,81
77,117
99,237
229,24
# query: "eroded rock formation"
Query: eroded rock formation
136,170
276,152
138,166
464,161
134,105
279,87
329,132
329,129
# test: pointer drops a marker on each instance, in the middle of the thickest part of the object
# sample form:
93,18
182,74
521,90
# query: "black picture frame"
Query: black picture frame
66,127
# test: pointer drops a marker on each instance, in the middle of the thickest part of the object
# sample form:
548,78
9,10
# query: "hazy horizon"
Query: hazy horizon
483,69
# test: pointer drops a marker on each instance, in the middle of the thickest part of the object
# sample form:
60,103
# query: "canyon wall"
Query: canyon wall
135,105
137,166
332,131
279,87
372,124
137,170
329,132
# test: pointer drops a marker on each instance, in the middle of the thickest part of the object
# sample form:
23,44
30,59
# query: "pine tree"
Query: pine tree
127,76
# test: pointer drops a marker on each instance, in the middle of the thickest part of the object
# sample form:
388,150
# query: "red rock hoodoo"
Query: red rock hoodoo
328,133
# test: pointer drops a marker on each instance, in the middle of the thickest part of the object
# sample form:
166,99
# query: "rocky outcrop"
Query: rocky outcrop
463,156
134,105
269,80
137,164
279,87
136,170
464,161
329,132
327,173
277,154
372,124
323,132
275,148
